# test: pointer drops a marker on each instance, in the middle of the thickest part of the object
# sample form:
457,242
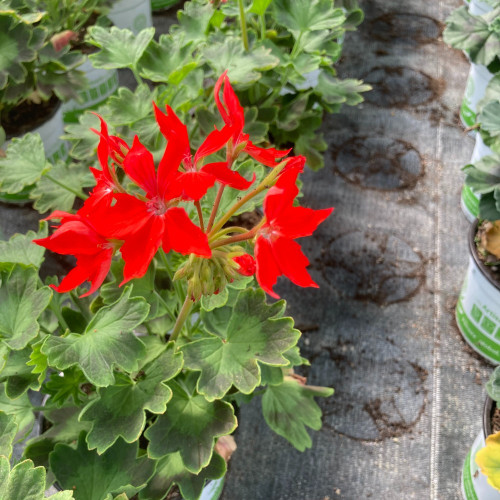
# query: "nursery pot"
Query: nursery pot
478,306
478,80
475,484
478,8
55,149
470,200
134,15
102,84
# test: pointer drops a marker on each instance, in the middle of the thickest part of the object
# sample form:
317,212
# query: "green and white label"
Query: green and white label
470,203
478,80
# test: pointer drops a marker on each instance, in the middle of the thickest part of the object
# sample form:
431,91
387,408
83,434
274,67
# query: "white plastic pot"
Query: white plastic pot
478,8
55,149
102,84
475,484
470,200
478,80
478,307
134,15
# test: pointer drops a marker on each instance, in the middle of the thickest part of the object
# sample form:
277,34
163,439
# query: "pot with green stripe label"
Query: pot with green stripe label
478,307
475,484
478,80
134,15
478,8
102,84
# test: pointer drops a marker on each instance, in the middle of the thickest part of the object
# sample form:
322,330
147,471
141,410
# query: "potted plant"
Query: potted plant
479,37
480,478
34,78
144,368
134,15
481,174
266,57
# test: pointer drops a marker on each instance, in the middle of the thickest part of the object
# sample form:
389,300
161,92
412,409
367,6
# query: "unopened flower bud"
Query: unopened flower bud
247,264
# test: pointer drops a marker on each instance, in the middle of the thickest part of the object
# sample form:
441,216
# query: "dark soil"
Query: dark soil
490,263
28,116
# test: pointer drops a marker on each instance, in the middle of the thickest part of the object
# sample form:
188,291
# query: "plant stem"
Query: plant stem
59,316
64,186
233,239
165,305
227,230
243,24
200,214
76,301
262,26
266,183
170,273
183,315
215,207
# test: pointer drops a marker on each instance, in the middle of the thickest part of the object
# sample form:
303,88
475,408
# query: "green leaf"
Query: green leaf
493,385
24,164
57,189
63,387
85,141
290,407
106,342
194,21
168,61
259,7
20,249
8,431
119,48
92,476
211,302
300,16
20,305
255,332
484,176
489,118
336,91
242,67
25,482
18,376
190,427
128,107
171,470
21,410
120,409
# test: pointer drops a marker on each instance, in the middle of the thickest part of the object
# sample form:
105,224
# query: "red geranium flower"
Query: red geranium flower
145,224
234,118
246,263
193,183
276,252
78,236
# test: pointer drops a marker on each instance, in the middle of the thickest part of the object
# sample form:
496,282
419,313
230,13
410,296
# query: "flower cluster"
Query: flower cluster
137,208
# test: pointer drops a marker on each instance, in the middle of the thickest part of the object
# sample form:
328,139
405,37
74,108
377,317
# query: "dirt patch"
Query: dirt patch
401,87
379,163
406,28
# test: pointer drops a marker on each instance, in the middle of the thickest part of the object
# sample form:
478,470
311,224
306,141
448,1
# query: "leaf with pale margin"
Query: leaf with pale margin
300,16
108,341
290,407
242,67
20,249
255,332
22,411
24,164
194,21
120,48
85,141
484,175
171,470
489,118
93,477
168,61
211,302
21,303
25,482
50,195
8,431
190,426
336,91
493,385
127,107
120,409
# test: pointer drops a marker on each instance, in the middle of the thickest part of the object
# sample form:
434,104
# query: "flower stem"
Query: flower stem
234,239
266,183
64,186
215,207
263,26
183,315
200,214
177,286
243,24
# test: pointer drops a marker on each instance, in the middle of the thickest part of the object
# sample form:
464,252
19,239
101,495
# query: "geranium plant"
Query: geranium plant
143,367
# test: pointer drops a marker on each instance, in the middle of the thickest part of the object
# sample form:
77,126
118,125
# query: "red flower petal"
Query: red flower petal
101,265
296,222
267,267
215,141
292,261
140,167
268,157
193,185
228,177
182,235
246,263
140,248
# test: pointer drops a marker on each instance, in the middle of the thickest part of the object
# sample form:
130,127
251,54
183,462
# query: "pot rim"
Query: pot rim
475,256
